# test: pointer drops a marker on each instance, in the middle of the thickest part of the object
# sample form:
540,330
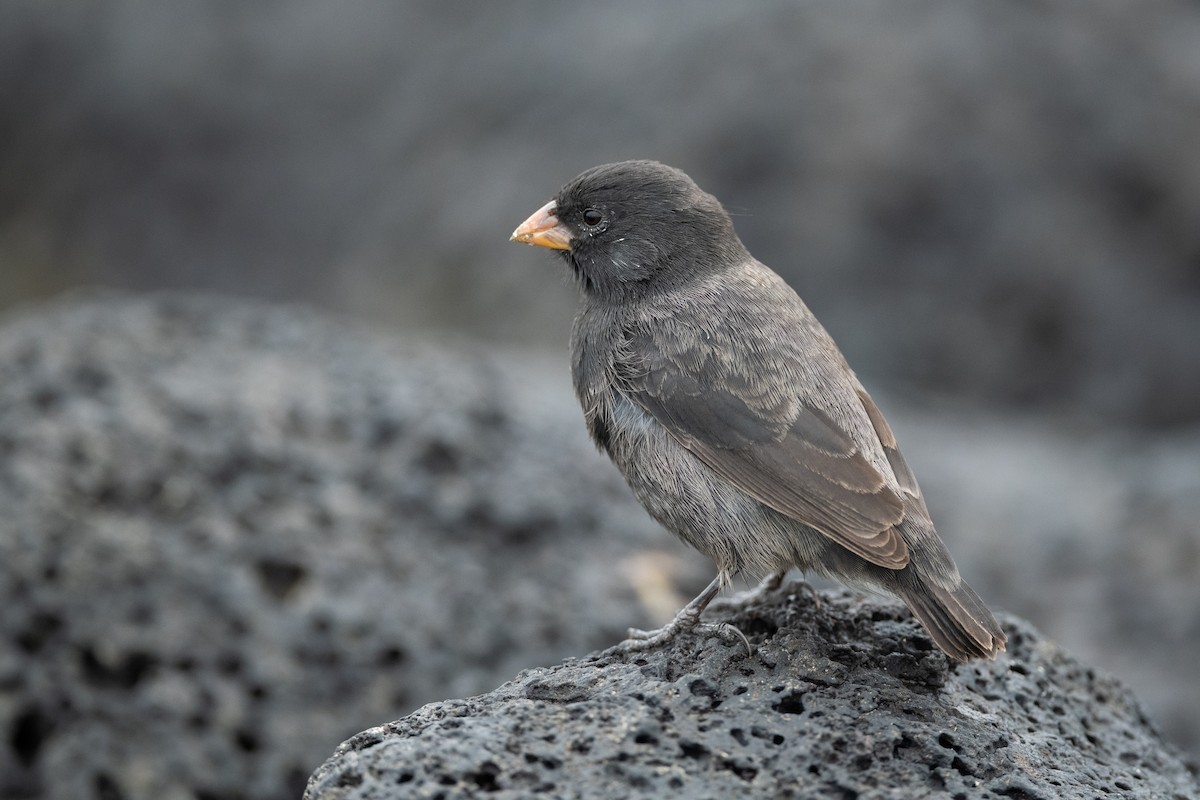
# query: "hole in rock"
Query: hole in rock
28,733
106,788
790,703
125,672
278,577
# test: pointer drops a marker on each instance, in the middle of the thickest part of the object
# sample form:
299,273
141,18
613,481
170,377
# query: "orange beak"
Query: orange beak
544,230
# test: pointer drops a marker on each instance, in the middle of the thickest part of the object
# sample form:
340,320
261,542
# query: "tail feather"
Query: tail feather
957,620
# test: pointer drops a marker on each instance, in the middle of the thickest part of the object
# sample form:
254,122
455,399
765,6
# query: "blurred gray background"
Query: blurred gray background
998,201
994,207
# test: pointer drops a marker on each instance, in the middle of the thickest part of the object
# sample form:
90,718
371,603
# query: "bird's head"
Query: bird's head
632,227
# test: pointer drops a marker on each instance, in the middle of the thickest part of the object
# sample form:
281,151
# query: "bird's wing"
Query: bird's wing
763,418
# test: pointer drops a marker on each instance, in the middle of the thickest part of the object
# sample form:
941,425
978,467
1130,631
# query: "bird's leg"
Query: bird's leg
807,588
772,583
687,619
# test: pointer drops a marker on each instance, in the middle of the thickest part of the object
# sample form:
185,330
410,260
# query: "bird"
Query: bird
730,411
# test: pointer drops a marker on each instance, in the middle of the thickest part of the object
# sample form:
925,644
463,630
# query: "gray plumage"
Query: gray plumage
731,412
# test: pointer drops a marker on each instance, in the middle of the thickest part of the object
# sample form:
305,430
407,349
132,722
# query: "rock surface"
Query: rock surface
848,700
234,535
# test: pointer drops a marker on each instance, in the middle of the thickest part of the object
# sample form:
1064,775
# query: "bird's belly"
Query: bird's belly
690,500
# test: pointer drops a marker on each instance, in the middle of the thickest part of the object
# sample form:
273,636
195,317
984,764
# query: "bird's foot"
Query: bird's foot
687,620
774,581
807,588
640,641
770,583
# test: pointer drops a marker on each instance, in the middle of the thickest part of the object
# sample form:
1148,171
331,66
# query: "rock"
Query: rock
1090,534
847,700
233,535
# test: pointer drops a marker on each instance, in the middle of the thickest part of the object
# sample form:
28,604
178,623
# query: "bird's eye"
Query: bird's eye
592,217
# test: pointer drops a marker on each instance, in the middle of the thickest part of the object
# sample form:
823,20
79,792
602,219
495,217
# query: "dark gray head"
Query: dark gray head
634,226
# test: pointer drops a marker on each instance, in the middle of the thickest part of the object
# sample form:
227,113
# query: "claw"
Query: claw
688,619
640,641
732,633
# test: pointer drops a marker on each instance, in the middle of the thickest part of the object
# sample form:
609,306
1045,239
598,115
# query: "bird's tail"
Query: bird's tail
956,618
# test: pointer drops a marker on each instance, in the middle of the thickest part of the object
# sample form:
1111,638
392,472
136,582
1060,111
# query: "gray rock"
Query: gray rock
850,700
1094,535
234,535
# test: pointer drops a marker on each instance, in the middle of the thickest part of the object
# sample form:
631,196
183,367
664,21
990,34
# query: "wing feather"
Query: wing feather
774,443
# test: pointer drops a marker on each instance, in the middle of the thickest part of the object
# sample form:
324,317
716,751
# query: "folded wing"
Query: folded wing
774,442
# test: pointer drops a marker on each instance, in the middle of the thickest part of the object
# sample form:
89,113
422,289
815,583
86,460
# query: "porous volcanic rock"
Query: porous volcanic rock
232,535
848,700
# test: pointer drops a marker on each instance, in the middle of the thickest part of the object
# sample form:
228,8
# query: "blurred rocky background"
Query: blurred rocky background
992,207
